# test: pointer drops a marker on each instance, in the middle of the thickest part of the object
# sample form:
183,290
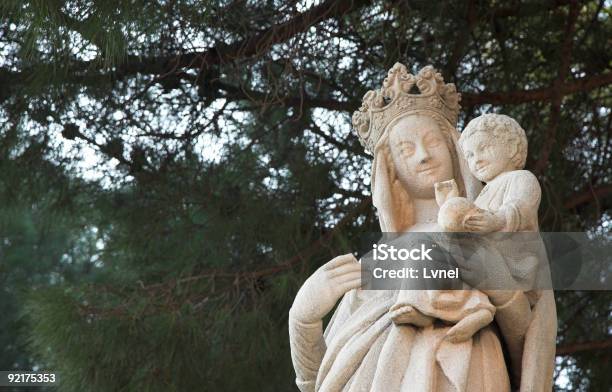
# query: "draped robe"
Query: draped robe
363,350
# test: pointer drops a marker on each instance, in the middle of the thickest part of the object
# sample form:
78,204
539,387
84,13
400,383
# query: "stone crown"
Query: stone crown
380,107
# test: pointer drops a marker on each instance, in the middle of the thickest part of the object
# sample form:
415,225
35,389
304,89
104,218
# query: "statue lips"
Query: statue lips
429,169
481,168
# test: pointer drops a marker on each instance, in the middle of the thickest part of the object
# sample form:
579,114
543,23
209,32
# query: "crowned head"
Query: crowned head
409,126
403,94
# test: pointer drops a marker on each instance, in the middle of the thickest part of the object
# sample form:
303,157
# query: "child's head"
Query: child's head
453,212
493,144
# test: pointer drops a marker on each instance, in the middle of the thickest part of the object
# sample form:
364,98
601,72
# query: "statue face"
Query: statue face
487,158
420,155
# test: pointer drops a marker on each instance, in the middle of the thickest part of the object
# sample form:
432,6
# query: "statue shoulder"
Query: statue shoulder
522,174
523,179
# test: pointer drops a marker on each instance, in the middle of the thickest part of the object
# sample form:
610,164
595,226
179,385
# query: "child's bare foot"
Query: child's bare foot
467,327
409,315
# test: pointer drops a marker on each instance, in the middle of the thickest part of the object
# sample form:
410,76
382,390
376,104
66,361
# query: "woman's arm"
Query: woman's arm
307,350
317,297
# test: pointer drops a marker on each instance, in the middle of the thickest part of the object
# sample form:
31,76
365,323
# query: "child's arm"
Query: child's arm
519,209
521,202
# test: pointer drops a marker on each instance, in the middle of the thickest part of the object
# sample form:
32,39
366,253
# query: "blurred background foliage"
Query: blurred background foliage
172,171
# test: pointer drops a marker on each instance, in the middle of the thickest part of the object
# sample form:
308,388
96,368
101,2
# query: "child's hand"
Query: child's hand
469,325
483,222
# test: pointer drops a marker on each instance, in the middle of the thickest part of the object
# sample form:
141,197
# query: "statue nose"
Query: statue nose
423,154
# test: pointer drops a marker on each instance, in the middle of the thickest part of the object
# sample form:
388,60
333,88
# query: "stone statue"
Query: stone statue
415,145
470,310
454,210
495,147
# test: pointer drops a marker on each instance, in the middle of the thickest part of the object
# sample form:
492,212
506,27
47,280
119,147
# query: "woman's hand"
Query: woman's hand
319,294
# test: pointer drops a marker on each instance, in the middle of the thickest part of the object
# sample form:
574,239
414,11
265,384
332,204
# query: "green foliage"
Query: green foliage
172,171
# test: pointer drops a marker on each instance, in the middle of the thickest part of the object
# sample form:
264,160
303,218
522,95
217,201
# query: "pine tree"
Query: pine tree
172,171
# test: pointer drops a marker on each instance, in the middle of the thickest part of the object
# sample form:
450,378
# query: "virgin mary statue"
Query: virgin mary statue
408,125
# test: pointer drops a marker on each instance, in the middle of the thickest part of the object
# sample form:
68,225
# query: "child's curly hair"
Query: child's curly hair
505,129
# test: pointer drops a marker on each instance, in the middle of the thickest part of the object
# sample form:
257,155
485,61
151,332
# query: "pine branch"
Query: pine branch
588,196
301,257
165,289
535,95
14,81
573,348
471,20
467,99
304,100
555,110
528,9
253,46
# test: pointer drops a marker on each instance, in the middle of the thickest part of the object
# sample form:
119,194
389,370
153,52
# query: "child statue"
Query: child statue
495,147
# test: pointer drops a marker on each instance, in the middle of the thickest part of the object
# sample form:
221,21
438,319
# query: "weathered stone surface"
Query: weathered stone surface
415,145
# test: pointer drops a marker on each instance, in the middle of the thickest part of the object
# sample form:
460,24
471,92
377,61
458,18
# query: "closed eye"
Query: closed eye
406,148
433,141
